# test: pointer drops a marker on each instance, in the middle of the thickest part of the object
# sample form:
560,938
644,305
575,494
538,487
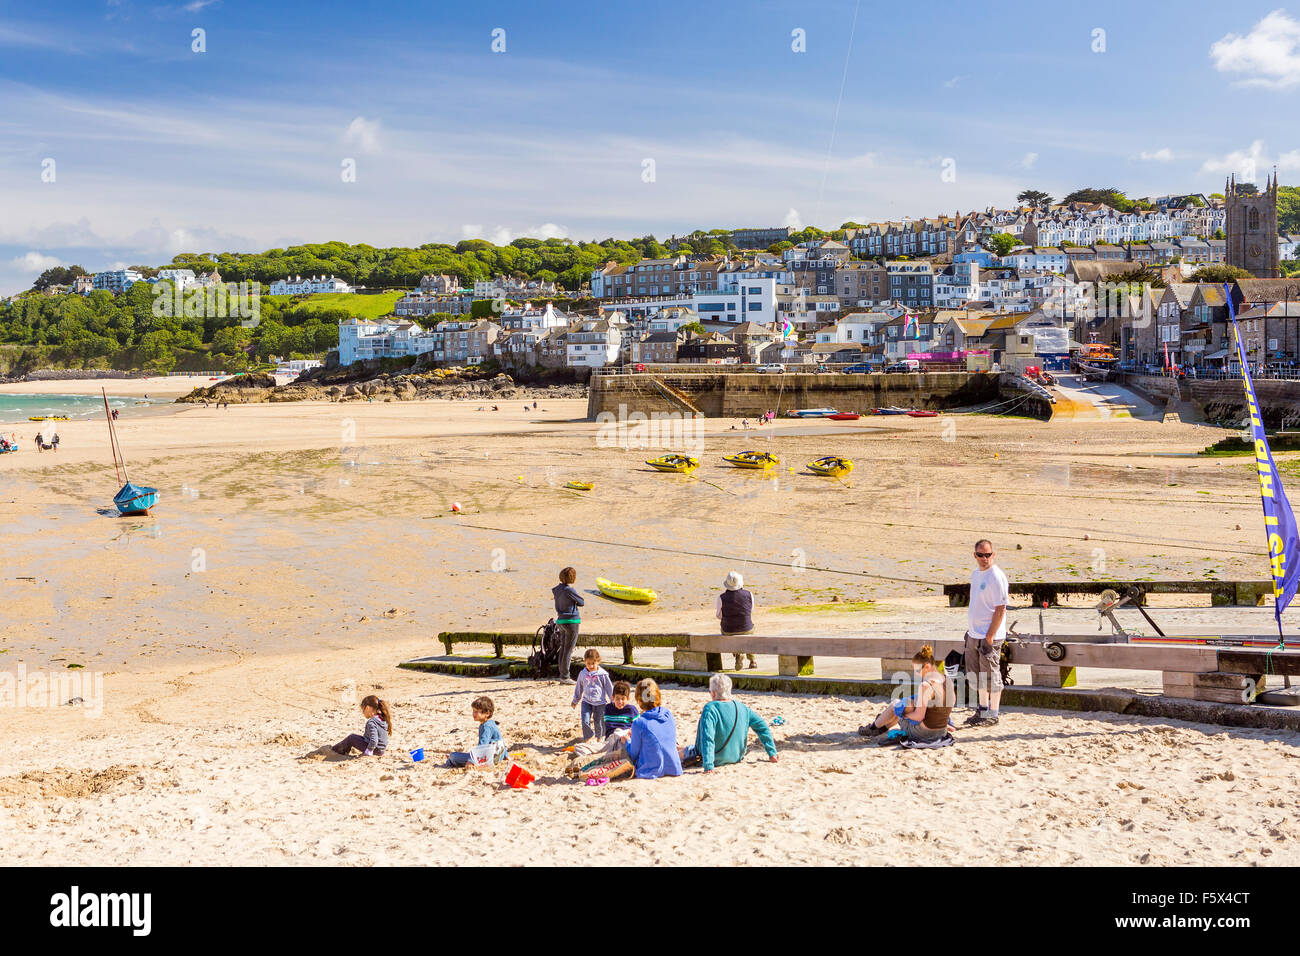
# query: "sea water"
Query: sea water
19,408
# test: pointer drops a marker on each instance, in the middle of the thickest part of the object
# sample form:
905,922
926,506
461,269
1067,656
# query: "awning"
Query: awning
1222,353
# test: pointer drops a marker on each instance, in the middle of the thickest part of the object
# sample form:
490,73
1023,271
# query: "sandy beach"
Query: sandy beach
301,550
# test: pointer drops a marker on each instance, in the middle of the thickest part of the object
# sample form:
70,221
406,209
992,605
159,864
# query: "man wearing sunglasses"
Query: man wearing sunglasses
986,614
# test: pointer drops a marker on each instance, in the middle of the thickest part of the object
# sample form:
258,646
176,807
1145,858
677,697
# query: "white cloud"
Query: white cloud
198,5
1028,160
792,219
1162,155
1269,54
1244,164
1289,160
504,235
951,83
364,134
35,262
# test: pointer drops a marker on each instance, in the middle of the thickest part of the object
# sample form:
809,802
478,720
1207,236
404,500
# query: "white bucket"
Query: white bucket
481,755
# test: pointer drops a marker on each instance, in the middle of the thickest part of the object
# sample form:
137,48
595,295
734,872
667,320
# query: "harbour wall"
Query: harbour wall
750,394
1224,399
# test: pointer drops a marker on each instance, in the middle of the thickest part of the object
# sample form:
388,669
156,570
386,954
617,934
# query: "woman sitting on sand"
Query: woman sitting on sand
924,716
652,747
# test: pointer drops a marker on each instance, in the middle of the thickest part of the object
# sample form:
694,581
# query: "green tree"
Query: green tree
1034,197
1108,195
1218,274
1001,243
1288,209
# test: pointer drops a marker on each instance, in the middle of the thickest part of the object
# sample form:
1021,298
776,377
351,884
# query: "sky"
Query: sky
125,137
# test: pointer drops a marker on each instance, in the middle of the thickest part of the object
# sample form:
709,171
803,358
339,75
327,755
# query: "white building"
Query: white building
297,285
296,367
532,320
117,280
1046,258
747,300
464,342
593,342
181,278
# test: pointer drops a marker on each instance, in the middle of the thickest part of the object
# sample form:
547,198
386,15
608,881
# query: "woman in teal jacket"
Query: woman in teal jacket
723,730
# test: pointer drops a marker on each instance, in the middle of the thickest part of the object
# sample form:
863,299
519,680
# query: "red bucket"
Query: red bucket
518,777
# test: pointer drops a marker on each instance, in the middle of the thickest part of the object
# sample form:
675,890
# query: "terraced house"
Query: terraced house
909,237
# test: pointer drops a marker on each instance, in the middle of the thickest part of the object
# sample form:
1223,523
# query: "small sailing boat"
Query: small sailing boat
132,499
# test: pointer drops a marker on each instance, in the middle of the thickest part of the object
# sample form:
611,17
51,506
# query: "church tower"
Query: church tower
1252,229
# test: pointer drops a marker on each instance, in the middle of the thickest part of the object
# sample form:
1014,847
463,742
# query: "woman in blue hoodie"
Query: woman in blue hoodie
653,746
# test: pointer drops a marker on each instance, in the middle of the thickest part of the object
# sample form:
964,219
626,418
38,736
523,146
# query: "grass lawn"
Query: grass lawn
363,306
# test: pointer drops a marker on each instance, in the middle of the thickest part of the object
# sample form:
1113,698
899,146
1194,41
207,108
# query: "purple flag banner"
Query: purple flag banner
1279,520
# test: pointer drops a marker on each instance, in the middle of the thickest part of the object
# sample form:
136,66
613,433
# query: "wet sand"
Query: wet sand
301,550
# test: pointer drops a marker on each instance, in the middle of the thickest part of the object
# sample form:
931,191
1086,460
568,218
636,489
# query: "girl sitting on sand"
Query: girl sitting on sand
374,740
924,716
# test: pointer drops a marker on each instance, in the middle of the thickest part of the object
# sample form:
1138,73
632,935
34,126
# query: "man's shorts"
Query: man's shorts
985,661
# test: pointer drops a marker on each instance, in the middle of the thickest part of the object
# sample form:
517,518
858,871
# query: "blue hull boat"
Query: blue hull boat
135,500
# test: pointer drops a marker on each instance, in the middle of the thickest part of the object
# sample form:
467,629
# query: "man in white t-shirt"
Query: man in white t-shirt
987,629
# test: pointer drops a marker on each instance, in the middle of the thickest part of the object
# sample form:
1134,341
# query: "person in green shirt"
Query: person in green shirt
723,730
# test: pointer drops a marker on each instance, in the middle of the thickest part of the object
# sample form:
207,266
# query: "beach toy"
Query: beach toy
455,506
481,755
518,778
417,754
894,734
778,721
597,781
517,755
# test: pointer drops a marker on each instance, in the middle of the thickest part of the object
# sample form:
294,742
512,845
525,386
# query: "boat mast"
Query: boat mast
120,469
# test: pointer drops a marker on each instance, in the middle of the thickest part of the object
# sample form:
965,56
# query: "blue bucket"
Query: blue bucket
418,754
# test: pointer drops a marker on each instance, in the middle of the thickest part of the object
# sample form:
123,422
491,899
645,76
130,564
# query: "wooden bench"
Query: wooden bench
1222,593
1199,672
500,640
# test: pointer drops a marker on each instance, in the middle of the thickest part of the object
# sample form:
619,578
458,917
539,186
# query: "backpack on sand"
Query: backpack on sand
546,647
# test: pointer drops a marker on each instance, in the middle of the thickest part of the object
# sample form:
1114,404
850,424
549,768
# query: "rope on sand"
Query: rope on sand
695,554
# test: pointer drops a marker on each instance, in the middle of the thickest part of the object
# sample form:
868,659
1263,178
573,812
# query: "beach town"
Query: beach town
579,441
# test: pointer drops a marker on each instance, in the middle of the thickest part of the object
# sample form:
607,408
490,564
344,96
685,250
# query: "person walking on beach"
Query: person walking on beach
567,602
986,616
734,609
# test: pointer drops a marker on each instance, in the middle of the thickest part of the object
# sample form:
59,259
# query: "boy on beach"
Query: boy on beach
481,709
594,689
620,711
567,602
619,714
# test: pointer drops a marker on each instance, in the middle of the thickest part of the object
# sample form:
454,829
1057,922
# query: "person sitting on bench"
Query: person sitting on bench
923,716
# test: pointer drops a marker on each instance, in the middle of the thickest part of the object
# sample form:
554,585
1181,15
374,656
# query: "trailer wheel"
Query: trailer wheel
1055,652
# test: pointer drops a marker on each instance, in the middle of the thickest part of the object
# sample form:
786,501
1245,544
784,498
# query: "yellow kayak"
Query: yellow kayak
830,466
683,464
579,485
49,418
624,593
752,459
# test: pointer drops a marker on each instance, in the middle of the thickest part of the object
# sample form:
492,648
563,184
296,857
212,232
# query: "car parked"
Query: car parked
773,367
862,368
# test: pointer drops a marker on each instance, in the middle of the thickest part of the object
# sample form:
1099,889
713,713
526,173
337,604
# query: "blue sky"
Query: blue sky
158,149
